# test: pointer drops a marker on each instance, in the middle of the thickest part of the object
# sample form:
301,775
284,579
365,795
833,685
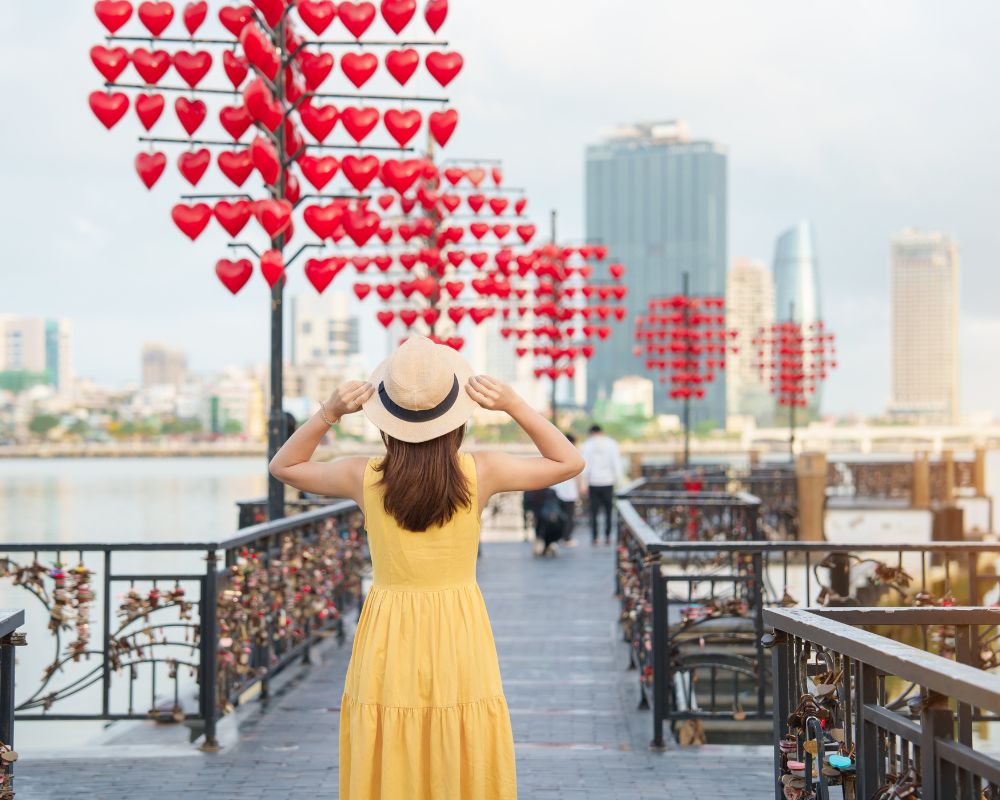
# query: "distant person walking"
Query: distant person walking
569,492
603,471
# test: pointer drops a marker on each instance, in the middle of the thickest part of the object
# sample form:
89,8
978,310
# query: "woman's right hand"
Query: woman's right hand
492,394
348,398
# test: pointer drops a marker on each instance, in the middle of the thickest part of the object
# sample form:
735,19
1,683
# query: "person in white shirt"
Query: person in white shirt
568,493
603,471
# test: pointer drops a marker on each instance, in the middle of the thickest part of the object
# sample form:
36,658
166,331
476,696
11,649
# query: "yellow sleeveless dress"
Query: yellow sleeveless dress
423,715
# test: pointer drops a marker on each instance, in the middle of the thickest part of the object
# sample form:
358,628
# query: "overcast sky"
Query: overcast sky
863,117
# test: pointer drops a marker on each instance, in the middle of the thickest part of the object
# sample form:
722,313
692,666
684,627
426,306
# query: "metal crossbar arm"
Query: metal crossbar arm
474,161
170,40
244,246
297,253
150,87
223,196
396,97
236,143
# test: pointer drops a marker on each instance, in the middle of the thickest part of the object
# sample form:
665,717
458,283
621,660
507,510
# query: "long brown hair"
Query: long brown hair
423,484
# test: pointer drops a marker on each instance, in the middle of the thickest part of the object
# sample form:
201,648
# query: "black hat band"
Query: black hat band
419,415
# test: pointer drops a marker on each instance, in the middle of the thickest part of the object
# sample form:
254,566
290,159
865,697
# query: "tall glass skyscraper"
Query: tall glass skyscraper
657,199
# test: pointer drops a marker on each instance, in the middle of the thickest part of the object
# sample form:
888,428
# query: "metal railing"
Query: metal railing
875,716
10,637
193,627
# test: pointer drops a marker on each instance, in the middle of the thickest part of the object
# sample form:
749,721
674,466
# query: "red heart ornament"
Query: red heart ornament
149,107
400,175
235,165
360,171
155,16
323,220
317,14
260,51
192,165
235,120
233,217
150,167
520,204
190,113
443,66
362,290
398,13
385,290
194,15
360,225
315,67
110,61
272,10
192,67
430,316
235,18
113,13
358,67
318,120
319,171
262,105
401,64
442,125
435,13
407,203
108,108
151,66
385,200
357,17
498,205
454,288
616,270
408,316
233,274
526,232
321,271
476,202
480,314
478,229
360,262
454,174
402,125
451,202
359,122
236,67
272,266
191,219
385,317
478,259
265,159
475,175
274,216
497,174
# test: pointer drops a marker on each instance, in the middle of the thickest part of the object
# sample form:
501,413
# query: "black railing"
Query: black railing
871,714
10,637
894,480
191,626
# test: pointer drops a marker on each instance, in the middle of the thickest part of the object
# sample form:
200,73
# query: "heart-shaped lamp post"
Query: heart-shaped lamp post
795,358
685,339
277,122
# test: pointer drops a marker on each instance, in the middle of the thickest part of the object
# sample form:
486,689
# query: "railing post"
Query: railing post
979,472
7,691
757,595
948,461
780,689
810,470
920,490
937,776
106,632
210,652
866,734
661,658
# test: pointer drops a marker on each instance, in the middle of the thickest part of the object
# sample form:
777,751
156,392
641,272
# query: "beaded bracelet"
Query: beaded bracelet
322,413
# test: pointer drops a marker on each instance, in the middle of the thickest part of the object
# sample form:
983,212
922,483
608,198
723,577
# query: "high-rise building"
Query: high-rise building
162,365
323,330
38,345
749,308
925,362
657,199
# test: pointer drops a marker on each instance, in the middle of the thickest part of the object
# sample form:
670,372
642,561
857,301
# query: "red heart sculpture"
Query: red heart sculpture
475,175
360,171
261,104
385,317
113,13
192,165
616,270
526,232
357,17
498,205
407,203
435,12
191,113
235,120
323,220
317,14
318,120
192,67
260,51
151,66
478,259
456,313
400,175
319,171
442,125
235,18
272,10
265,159
321,271
398,13
235,165
108,108
454,175
149,107
315,67
150,167
407,261
385,290
155,16
110,61
519,205
476,202
451,202
194,15
272,266
358,67
359,122
385,200
443,66
362,290
497,175
236,67
480,314
360,262
233,217
233,274
191,219
401,64
402,125
430,316
360,225
478,229
454,288
274,216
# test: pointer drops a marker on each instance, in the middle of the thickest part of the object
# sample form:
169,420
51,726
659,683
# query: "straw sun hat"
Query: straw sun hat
420,391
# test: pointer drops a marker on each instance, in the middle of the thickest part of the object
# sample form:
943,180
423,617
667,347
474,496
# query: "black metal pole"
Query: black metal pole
687,397
552,239
209,655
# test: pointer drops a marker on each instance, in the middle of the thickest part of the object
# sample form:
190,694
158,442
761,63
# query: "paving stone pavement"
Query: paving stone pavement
572,704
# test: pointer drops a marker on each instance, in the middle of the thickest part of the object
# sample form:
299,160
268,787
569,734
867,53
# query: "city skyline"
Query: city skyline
864,162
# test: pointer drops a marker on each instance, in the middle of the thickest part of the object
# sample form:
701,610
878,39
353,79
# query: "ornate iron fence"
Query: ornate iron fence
875,716
189,626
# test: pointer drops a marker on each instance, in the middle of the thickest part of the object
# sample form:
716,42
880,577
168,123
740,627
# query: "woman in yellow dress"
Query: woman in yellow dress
423,716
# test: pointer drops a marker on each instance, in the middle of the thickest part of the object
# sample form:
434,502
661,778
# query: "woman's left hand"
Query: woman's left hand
348,398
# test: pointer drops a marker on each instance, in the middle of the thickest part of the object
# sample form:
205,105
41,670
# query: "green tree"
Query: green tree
232,426
79,427
43,423
17,380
